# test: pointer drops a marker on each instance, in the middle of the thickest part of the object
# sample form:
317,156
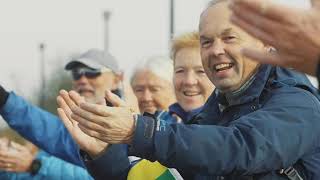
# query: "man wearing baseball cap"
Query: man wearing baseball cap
93,73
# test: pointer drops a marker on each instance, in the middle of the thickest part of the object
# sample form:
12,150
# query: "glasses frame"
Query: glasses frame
89,73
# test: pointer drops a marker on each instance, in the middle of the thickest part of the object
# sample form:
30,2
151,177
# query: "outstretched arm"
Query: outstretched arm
294,33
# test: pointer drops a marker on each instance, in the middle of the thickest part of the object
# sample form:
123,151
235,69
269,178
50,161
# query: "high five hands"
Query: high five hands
94,126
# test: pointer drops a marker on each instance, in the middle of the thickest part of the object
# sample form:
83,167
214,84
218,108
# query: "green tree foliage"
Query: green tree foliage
60,79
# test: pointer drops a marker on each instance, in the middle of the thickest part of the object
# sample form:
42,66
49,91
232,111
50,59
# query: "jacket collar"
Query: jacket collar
184,115
251,90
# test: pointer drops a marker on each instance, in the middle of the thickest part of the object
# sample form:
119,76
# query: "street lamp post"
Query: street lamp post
106,16
171,22
42,48
172,19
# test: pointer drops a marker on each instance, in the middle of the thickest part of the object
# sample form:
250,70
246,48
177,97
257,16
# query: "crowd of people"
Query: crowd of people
230,103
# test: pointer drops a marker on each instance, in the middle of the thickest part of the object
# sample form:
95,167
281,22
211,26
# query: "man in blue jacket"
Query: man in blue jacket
261,122
93,72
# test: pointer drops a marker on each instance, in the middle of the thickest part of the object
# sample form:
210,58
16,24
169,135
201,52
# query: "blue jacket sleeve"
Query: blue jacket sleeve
272,137
54,168
41,128
4,175
113,164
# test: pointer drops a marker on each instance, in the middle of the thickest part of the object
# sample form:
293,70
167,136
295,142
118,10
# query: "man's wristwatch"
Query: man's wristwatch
35,167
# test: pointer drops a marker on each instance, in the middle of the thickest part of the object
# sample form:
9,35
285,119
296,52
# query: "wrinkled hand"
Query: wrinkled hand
4,142
114,125
89,144
294,33
15,157
130,98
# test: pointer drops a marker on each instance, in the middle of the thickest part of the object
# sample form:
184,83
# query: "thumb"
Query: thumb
115,100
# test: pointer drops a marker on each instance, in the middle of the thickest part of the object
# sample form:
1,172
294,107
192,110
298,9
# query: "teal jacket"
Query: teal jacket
46,131
52,168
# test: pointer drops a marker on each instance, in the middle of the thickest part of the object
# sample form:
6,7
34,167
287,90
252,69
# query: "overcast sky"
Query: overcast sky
138,28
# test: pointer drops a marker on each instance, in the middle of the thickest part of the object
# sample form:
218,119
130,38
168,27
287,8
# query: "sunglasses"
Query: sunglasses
77,73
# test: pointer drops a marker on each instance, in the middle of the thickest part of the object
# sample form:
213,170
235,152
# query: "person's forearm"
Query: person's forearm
56,168
241,147
40,127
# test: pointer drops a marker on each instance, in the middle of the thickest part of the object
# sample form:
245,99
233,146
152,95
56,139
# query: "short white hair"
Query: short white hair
161,66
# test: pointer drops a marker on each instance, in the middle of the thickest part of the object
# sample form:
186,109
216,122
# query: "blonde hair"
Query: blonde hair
186,40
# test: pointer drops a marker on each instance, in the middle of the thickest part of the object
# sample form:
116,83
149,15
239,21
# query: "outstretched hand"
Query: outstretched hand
114,125
294,33
91,145
15,157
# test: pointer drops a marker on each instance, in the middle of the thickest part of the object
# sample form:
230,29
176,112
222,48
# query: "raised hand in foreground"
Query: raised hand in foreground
114,125
294,33
93,146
